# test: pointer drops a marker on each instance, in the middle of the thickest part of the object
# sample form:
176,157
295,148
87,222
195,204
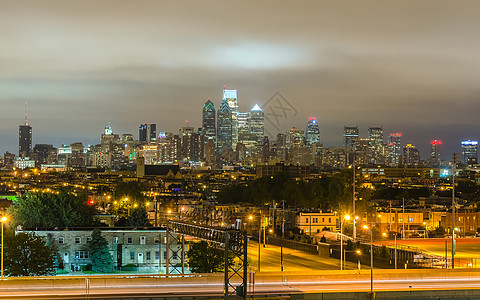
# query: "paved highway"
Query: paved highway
344,281
293,260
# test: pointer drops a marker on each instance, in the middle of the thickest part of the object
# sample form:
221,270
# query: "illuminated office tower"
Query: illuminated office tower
395,147
230,96
350,134
376,134
256,124
224,127
147,133
208,120
312,133
243,130
470,152
295,137
192,144
434,150
25,138
411,155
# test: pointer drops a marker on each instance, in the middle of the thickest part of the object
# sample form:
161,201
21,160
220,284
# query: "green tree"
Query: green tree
100,256
131,190
138,217
205,258
52,210
27,255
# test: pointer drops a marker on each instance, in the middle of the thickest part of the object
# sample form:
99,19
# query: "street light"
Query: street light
371,257
4,219
346,217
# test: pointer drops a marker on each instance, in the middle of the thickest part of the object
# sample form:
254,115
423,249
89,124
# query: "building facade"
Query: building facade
144,250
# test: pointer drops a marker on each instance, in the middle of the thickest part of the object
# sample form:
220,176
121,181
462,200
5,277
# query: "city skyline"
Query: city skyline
404,67
359,134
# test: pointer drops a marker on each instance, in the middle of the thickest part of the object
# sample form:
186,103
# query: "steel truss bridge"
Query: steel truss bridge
232,241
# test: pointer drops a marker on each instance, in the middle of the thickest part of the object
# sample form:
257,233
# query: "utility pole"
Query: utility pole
283,234
403,217
454,162
354,215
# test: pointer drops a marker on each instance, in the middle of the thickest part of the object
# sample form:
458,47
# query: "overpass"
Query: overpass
388,284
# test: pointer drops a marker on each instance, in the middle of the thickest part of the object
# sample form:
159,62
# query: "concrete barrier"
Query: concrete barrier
266,277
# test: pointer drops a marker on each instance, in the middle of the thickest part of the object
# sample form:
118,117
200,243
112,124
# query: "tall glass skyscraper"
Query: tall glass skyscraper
376,134
230,96
257,123
470,152
395,147
224,127
434,150
24,140
208,120
147,133
312,134
350,134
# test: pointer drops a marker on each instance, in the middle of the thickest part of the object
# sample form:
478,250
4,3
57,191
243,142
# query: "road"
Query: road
293,260
291,283
467,249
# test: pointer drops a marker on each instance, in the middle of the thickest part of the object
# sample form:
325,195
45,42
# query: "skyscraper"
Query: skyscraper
376,134
434,151
256,124
411,155
25,137
230,96
350,135
395,148
224,127
470,152
147,133
312,134
208,120
243,127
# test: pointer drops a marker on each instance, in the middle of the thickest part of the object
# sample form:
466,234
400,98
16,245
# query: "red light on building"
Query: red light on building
90,202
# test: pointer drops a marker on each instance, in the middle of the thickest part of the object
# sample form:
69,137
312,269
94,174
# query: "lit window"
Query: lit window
143,240
81,254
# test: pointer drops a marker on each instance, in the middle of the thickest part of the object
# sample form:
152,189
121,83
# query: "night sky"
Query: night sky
409,66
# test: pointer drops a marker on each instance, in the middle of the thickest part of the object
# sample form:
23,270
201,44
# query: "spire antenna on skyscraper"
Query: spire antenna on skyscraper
26,119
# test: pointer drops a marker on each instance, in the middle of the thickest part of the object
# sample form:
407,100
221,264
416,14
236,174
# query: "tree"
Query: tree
100,256
52,210
205,258
27,255
138,217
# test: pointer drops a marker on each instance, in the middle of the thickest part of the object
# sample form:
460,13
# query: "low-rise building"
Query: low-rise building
144,250
311,223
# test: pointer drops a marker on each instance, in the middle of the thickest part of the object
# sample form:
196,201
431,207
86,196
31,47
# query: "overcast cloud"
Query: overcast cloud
409,66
